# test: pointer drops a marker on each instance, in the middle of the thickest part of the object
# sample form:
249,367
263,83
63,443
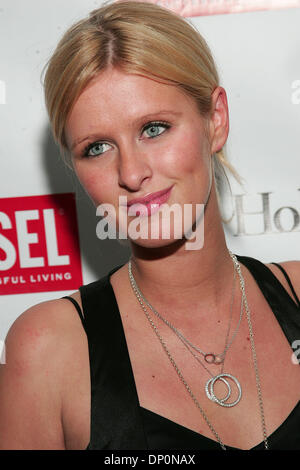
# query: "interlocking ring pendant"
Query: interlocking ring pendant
209,389
212,358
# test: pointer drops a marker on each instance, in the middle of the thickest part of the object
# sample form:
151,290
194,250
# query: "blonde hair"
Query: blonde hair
139,38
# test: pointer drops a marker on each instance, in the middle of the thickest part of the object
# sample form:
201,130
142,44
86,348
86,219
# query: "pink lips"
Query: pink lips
148,204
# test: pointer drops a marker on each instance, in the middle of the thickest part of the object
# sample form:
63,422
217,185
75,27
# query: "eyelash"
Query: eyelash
147,126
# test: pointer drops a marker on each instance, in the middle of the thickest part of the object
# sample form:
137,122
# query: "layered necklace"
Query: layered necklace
211,358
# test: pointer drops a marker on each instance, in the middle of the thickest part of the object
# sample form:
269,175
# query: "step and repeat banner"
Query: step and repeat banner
48,242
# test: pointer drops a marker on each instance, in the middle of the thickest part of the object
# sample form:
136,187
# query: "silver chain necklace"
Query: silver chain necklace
209,357
217,358
223,376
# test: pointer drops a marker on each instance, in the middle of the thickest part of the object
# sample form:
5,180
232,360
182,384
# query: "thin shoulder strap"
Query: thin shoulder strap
289,282
282,304
77,306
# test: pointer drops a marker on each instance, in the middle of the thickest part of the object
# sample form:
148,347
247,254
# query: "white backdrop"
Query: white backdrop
257,54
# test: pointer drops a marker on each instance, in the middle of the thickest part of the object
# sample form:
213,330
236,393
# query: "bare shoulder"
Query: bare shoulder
38,352
42,327
292,269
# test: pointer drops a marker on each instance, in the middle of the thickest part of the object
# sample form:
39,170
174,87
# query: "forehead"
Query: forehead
117,86
112,92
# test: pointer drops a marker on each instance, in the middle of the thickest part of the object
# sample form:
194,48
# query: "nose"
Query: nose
133,167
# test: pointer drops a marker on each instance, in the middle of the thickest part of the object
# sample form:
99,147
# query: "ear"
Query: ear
219,120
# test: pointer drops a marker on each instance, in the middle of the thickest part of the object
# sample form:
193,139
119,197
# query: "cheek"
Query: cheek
93,181
192,166
188,155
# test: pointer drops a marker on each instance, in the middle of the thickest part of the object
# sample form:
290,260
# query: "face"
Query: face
132,136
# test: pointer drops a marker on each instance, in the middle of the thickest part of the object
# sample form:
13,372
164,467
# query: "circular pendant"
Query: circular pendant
209,389
211,396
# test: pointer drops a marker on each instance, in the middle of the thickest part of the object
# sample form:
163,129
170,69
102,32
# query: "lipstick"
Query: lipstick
149,204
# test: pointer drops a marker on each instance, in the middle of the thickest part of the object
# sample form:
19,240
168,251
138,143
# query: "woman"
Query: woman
181,348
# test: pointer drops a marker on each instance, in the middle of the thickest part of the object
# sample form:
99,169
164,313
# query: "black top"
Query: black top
118,422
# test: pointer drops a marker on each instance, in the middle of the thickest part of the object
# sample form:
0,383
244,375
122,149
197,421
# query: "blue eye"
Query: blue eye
94,150
154,126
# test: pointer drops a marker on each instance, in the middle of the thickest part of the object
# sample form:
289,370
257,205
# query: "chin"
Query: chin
172,237
158,245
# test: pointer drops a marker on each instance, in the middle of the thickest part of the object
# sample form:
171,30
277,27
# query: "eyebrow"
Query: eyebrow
141,118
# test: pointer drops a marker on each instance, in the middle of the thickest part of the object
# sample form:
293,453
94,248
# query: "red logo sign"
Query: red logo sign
39,244
191,8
